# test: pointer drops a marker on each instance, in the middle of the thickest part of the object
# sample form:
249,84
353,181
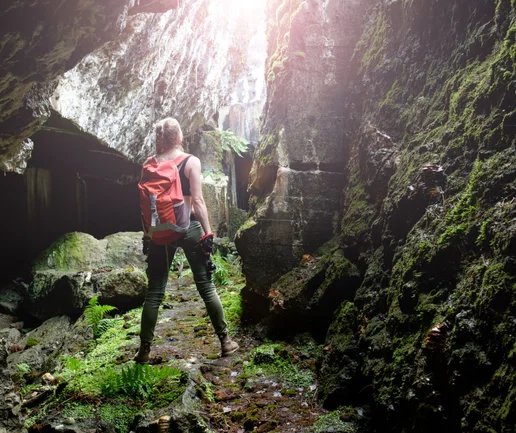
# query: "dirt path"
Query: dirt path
265,386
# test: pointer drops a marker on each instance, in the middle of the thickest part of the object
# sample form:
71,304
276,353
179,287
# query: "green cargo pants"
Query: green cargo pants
159,260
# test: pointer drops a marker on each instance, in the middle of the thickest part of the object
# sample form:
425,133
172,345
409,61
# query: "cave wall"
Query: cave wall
185,63
429,214
299,166
89,128
71,184
39,41
422,263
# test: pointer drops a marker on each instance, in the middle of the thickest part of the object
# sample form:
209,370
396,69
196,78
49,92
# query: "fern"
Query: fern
74,364
231,142
94,314
221,274
137,380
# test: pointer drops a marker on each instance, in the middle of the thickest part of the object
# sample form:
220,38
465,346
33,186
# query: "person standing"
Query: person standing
196,241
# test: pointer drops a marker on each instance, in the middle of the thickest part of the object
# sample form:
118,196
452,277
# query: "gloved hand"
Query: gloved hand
206,244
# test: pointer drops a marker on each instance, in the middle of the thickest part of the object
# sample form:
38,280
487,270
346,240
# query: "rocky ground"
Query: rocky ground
266,386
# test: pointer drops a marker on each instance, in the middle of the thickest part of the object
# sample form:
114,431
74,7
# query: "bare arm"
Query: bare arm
193,173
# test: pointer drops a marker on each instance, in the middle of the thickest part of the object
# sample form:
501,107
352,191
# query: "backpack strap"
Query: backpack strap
181,158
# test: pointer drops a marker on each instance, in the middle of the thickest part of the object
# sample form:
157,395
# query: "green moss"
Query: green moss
31,342
333,422
238,416
119,415
65,251
232,304
237,218
168,391
358,211
265,151
247,225
78,410
273,359
343,327
374,42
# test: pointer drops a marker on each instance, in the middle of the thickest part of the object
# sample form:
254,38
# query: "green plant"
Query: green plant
74,364
231,142
31,342
136,380
178,262
118,415
275,360
333,422
23,368
221,274
232,303
78,410
95,316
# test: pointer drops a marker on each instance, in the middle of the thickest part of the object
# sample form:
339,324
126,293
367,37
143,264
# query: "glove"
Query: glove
206,244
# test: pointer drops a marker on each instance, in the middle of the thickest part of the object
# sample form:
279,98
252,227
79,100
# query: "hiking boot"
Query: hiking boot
228,345
143,355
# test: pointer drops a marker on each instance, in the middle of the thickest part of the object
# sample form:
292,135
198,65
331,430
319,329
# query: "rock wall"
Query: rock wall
90,128
39,41
184,63
424,255
298,173
429,215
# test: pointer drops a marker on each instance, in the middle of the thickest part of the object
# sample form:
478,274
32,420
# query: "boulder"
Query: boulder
5,321
10,407
78,266
306,298
10,337
10,300
41,344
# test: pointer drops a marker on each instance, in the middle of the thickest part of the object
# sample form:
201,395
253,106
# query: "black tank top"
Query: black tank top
185,183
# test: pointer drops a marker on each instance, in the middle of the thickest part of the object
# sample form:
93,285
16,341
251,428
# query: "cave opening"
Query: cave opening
72,183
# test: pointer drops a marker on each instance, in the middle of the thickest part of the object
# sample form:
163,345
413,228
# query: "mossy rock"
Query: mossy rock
72,252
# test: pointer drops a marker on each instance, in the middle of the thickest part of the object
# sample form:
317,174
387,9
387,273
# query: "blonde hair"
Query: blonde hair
168,132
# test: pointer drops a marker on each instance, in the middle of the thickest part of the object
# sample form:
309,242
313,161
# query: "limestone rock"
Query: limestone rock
118,92
10,299
306,298
42,343
10,407
301,211
78,266
297,176
40,40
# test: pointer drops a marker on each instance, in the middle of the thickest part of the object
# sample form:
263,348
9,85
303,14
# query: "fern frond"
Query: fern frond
94,314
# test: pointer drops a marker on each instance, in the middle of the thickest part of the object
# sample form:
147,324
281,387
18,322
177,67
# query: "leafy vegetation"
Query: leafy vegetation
333,422
137,381
94,314
230,142
228,276
273,359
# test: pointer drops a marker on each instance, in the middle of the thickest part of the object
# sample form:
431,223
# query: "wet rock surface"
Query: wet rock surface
265,386
298,169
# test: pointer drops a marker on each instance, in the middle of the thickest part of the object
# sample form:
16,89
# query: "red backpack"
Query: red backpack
164,214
